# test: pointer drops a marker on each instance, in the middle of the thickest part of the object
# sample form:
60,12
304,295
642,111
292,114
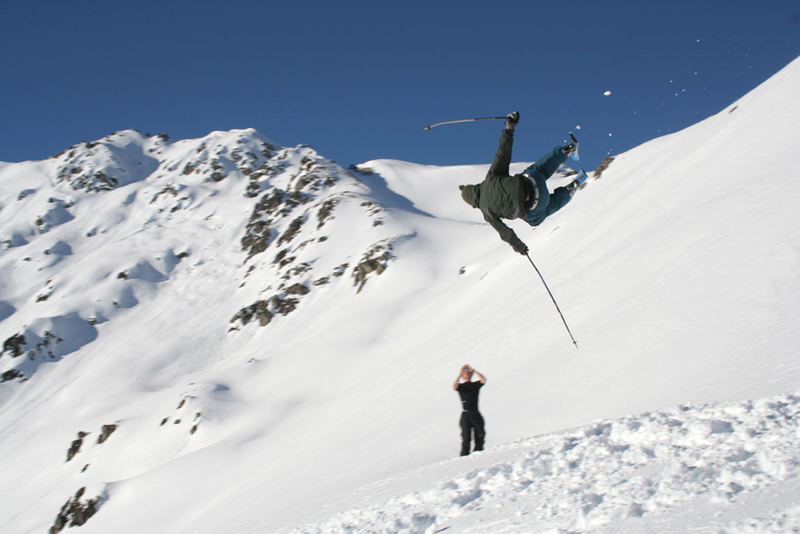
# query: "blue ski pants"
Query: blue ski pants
548,203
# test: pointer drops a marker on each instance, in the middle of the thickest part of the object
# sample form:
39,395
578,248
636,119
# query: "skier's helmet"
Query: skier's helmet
470,194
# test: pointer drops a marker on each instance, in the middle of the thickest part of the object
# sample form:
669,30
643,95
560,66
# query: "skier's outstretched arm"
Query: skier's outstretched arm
506,233
502,158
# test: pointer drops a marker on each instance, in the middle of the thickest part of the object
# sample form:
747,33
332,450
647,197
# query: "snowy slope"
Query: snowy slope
715,468
275,336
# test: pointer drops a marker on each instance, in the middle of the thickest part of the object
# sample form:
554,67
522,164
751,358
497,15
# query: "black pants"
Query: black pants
471,421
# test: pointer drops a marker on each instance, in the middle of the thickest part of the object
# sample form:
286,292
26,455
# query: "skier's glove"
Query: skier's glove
518,246
512,119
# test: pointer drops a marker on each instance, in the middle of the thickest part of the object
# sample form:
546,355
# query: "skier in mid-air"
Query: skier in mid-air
522,196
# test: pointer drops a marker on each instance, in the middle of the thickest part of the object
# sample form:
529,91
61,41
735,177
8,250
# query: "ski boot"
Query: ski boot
571,149
579,180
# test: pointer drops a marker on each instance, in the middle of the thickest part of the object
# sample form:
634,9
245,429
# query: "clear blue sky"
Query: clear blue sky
360,80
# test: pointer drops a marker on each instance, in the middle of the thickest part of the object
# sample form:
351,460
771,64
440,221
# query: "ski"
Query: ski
575,156
578,182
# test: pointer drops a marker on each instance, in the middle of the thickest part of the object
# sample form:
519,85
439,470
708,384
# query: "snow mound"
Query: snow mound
623,473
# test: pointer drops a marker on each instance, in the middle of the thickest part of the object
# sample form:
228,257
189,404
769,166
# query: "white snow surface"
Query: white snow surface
122,266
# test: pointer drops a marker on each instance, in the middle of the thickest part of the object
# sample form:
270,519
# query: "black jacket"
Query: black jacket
500,195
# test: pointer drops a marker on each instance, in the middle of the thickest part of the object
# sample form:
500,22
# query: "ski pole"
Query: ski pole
429,126
554,301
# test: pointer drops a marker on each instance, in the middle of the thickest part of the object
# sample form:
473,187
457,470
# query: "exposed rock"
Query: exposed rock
196,423
25,193
603,166
57,214
264,172
314,175
374,261
49,340
90,181
14,345
326,211
362,170
75,513
282,259
292,231
372,208
258,233
253,188
259,310
283,306
297,270
297,289
217,175
11,374
303,181
106,431
265,310
75,447
340,270
167,190
292,200
366,267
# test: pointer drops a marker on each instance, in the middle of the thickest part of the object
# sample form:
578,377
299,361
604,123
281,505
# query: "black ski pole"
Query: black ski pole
429,126
554,301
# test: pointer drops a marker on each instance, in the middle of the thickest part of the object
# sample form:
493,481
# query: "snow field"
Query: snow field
617,474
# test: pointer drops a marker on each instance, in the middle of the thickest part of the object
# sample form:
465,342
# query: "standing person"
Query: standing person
471,418
522,196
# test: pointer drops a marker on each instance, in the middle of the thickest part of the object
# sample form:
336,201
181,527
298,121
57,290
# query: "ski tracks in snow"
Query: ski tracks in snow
634,471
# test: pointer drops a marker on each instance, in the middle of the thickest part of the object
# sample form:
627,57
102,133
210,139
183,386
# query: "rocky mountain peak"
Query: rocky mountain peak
108,223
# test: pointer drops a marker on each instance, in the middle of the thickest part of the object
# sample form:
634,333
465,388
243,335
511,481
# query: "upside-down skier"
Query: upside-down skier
521,196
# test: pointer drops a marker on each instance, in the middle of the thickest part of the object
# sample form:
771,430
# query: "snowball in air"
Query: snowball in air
607,93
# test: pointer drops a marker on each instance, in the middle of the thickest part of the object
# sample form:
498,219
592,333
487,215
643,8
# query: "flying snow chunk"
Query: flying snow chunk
578,127
607,93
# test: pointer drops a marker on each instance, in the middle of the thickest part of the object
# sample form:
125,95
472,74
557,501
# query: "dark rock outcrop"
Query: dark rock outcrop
106,431
603,166
76,445
374,261
14,345
11,374
75,512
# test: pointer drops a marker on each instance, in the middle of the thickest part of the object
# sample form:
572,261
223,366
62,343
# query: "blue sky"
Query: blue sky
360,80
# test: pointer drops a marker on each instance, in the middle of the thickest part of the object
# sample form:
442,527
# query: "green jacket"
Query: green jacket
499,195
